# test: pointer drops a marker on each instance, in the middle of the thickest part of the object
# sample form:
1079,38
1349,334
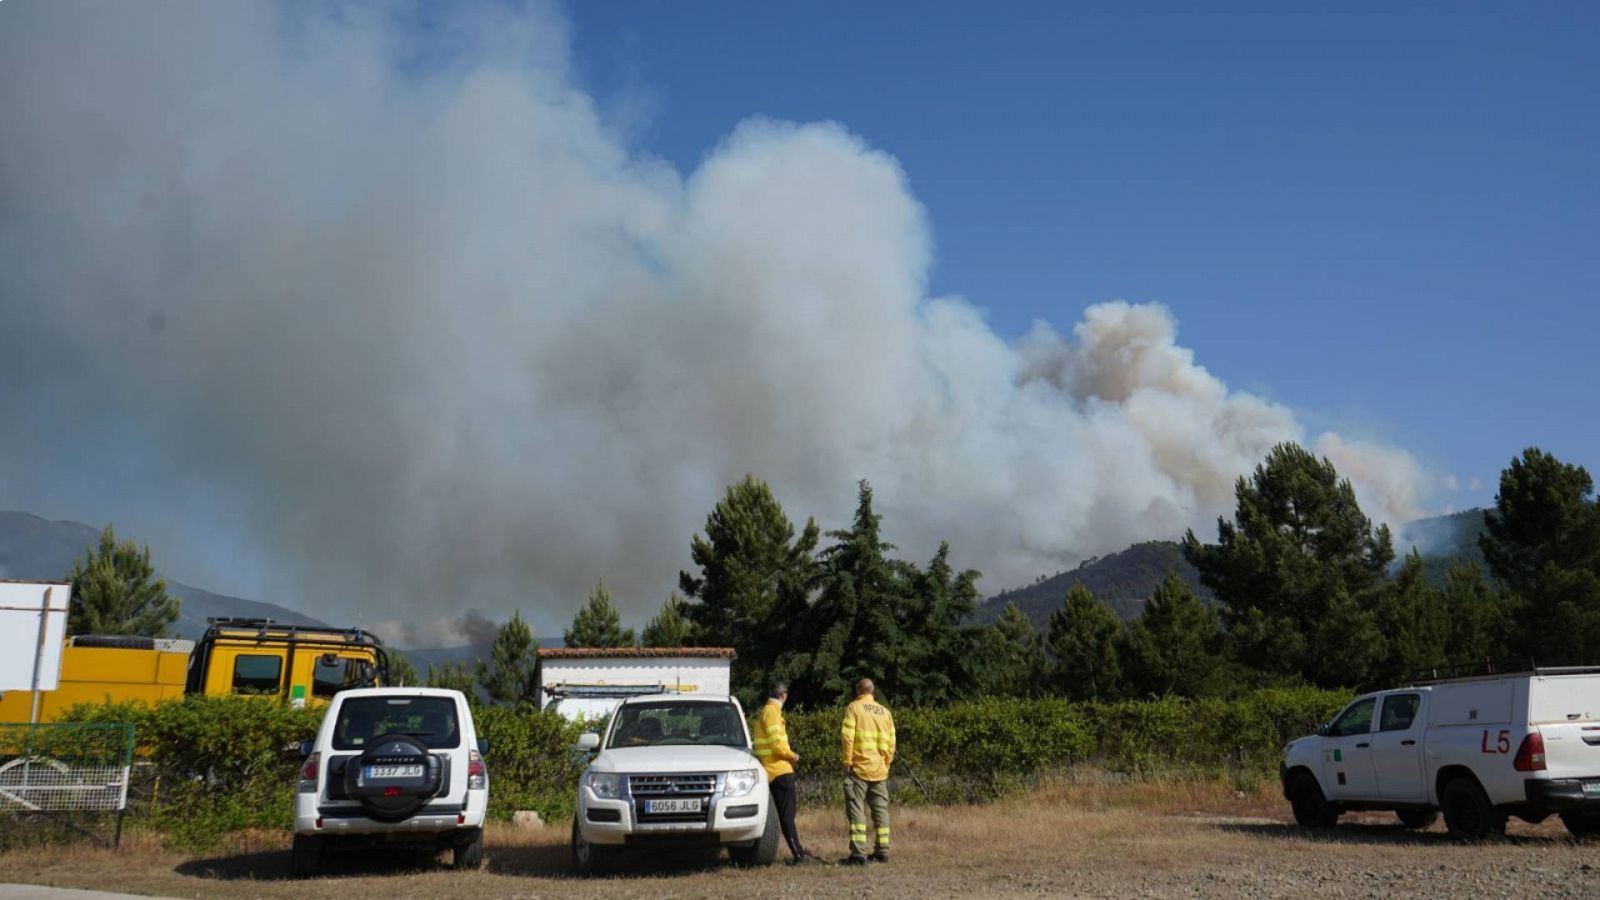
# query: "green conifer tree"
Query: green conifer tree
597,623
115,591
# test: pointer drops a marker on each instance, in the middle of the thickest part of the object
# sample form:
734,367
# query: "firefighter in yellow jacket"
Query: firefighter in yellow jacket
778,758
867,737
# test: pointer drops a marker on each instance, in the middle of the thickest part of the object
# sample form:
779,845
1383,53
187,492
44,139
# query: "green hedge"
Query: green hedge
208,766
982,748
215,765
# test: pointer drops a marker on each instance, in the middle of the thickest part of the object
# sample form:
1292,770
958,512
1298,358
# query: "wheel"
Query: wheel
305,855
467,852
1311,808
765,850
1467,812
588,859
1417,818
1581,825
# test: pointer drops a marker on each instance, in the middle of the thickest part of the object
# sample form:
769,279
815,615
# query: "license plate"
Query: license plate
672,806
1591,787
394,772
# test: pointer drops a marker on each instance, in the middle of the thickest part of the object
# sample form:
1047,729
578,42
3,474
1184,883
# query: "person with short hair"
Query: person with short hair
867,738
778,759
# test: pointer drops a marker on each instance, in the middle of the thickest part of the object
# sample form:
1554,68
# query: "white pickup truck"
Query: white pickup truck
673,772
1480,748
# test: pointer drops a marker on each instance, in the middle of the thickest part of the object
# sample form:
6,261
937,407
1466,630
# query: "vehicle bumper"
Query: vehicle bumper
1563,793
737,820
312,818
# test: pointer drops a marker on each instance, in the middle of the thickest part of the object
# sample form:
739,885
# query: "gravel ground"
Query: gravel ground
1067,842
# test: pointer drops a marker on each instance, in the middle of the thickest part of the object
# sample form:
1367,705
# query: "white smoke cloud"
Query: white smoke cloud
406,331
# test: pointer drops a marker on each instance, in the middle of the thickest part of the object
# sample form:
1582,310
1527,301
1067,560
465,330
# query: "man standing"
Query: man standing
772,748
867,737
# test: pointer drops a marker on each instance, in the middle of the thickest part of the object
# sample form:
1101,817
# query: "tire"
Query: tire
1467,812
467,852
764,852
588,859
305,856
1311,808
1417,818
1581,825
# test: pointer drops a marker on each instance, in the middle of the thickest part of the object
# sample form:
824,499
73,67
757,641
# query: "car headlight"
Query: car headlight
606,785
741,782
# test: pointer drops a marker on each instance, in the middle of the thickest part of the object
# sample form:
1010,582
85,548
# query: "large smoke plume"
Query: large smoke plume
387,323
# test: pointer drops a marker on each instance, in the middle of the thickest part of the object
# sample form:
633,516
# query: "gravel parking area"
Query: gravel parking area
1173,841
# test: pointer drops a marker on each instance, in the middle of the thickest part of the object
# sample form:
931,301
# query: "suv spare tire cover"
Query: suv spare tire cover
394,798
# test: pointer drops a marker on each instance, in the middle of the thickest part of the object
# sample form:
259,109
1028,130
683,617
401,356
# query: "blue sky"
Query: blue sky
1385,220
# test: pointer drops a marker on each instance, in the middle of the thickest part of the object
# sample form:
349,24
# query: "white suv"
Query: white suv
392,764
673,772
1480,748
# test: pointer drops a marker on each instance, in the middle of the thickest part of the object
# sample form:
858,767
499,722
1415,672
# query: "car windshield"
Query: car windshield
677,722
431,720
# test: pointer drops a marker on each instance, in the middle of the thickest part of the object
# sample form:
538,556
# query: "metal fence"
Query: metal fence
62,769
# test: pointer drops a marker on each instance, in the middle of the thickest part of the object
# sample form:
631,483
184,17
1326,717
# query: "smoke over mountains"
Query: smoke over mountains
400,327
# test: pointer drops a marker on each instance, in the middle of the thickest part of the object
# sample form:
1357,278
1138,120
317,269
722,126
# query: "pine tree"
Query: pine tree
401,672
856,617
1300,572
1543,516
1083,640
1543,541
670,628
597,623
937,664
1412,619
514,658
1175,646
456,676
115,591
1009,659
1481,617
754,583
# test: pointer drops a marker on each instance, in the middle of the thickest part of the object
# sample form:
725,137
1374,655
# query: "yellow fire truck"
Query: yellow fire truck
250,657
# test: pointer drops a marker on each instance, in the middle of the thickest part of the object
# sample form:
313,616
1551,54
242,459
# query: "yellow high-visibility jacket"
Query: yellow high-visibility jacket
867,737
772,741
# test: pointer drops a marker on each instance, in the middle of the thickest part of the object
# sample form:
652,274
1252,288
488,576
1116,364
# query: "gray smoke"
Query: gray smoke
388,328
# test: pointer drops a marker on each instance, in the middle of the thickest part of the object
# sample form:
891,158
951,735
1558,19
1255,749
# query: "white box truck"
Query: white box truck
1480,747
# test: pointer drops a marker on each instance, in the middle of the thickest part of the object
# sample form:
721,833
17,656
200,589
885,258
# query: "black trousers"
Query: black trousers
783,797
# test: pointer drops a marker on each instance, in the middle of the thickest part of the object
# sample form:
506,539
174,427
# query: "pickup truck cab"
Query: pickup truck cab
1480,748
673,772
392,764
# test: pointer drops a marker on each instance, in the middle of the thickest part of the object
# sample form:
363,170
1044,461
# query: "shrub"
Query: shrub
216,765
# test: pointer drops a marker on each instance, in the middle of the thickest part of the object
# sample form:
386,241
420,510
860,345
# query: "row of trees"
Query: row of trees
1308,590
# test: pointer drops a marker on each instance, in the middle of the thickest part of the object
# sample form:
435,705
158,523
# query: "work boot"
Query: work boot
805,858
880,856
854,859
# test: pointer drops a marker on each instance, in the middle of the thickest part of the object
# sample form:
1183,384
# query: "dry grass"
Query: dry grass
1093,839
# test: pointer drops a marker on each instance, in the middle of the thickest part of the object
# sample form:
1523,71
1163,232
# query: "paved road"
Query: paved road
35,892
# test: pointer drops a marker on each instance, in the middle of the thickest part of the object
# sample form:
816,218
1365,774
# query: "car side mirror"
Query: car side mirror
588,742
1322,729
305,748
483,746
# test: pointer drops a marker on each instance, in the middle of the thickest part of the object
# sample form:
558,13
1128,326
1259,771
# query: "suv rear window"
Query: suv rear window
431,720
668,722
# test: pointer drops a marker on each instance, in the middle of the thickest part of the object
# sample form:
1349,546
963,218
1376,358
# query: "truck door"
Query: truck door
1397,747
1347,772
